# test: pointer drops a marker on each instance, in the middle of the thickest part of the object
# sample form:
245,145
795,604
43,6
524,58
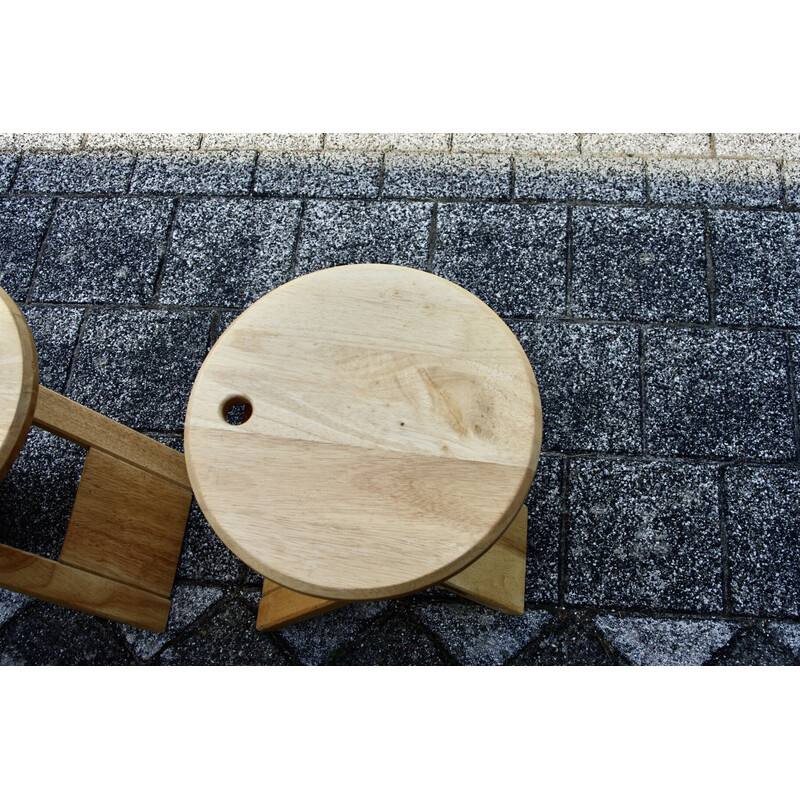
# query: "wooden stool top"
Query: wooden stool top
19,381
395,432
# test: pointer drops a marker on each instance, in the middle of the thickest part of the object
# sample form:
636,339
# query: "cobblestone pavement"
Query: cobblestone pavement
653,279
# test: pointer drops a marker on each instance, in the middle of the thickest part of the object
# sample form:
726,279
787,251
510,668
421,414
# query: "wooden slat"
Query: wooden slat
71,420
83,591
280,607
497,578
126,524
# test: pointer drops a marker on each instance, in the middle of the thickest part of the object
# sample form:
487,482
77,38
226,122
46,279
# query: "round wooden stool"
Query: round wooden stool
389,429
121,549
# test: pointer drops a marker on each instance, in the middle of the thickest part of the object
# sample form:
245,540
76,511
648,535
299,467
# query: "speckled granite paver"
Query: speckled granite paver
652,279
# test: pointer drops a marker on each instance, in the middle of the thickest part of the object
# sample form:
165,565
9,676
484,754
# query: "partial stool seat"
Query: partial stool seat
124,538
388,431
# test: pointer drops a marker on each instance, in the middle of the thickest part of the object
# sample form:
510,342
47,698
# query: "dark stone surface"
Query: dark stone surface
714,182
644,535
391,641
37,494
103,251
8,164
753,647
55,332
717,394
512,257
194,172
153,355
106,173
316,640
588,378
23,222
318,174
229,252
204,557
363,232
44,634
473,176
756,267
641,265
570,641
225,637
595,179
544,524
478,636
763,528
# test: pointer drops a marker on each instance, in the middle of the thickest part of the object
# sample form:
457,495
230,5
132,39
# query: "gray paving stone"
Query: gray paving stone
6,141
393,641
714,182
316,640
543,143
261,141
55,331
194,172
226,638
791,177
188,603
756,267
588,378
229,252
335,232
665,642
47,141
788,634
764,539
10,603
478,636
23,222
639,264
465,175
575,178
644,535
652,144
318,174
388,141
37,494
753,647
569,641
142,141
74,172
544,525
8,164
762,145
103,251
138,366
512,257
46,634
204,557
717,394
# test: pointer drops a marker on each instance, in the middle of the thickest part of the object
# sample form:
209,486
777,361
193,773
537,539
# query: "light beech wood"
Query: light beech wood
395,431
72,421
496,579
83,591
126,524
19,381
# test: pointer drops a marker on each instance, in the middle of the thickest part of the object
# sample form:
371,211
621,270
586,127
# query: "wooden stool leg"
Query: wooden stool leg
496,579
124,538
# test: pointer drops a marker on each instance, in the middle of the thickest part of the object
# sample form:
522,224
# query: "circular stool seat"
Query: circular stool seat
19,381
391,432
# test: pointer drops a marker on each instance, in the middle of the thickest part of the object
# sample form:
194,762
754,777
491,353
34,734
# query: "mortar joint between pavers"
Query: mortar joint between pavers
293,261
40,251
711,288
162,263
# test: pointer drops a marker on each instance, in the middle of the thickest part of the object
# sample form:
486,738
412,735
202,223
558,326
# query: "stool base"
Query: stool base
496,580
125,533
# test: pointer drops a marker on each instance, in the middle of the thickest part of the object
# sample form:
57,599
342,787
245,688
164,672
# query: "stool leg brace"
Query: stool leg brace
496,579
125,533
